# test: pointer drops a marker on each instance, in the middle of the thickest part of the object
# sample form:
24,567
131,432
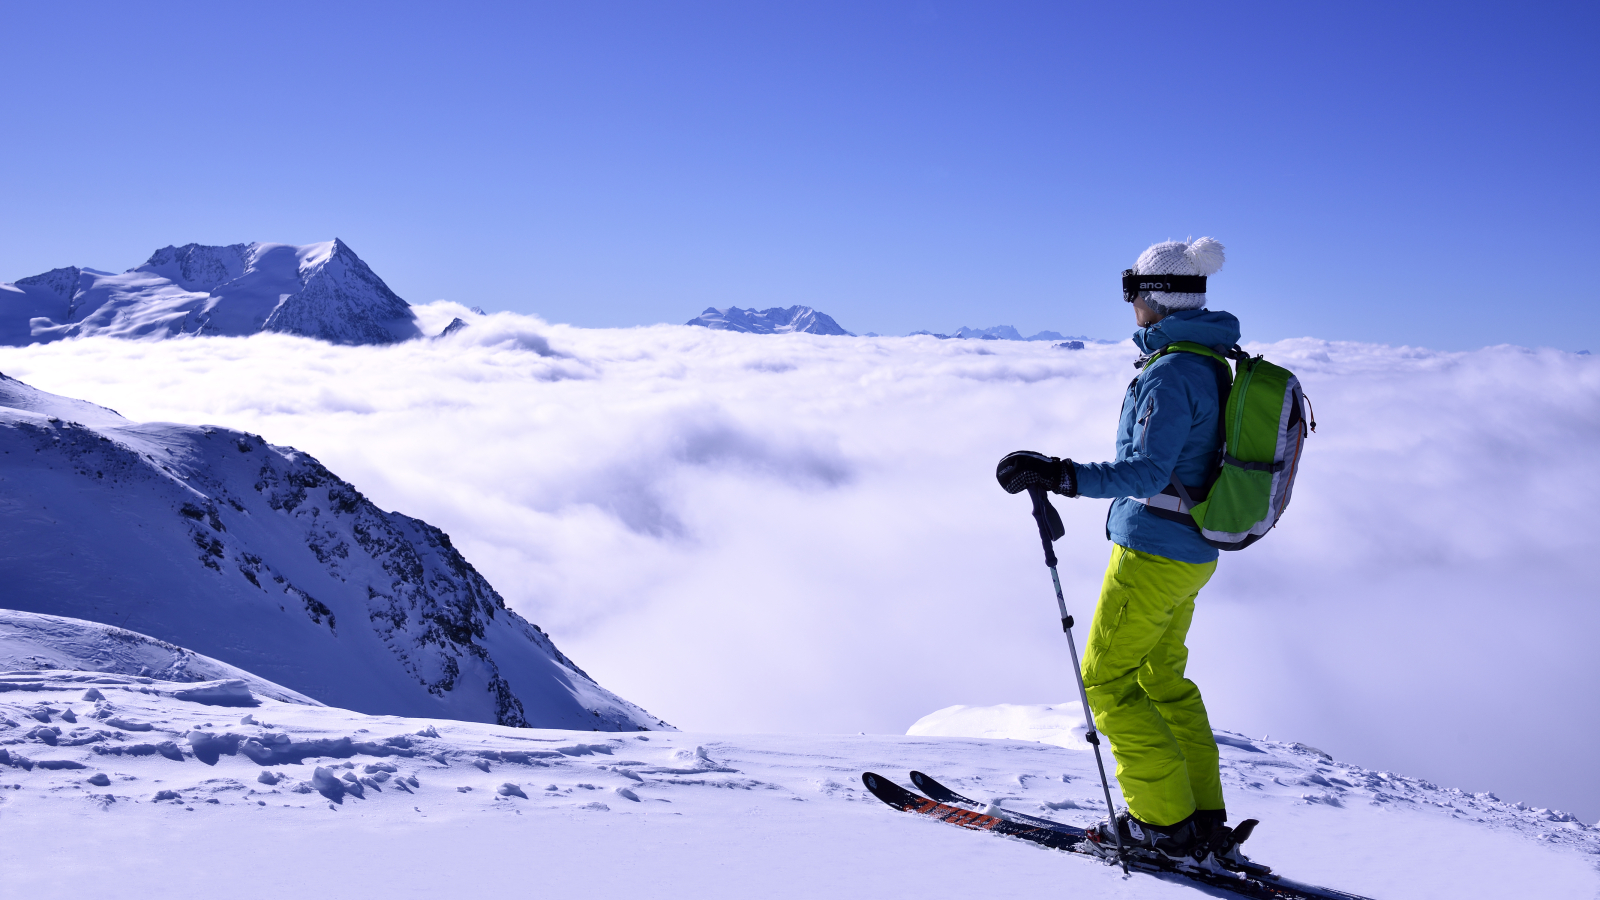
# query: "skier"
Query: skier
1133,666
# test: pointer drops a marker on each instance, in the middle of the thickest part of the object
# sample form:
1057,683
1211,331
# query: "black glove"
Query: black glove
1025,469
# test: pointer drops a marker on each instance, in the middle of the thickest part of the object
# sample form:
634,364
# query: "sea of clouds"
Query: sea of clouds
803,533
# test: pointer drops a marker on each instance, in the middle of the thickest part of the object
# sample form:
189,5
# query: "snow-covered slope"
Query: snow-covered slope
259,556
39,642
768,321
111,781
321,290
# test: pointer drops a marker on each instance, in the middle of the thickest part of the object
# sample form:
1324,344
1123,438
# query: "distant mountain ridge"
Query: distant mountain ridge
322,291
776,320
259,557
805,319
1003,333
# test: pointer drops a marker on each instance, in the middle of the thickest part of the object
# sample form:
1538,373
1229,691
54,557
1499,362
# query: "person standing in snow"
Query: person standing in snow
1133,665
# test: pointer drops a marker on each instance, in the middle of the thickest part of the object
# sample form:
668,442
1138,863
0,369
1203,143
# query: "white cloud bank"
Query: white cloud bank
795,532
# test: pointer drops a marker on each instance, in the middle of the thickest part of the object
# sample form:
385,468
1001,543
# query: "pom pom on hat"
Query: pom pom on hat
1194,257
1205,255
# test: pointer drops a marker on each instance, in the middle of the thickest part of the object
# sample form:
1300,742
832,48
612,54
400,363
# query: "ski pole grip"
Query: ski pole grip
1049,521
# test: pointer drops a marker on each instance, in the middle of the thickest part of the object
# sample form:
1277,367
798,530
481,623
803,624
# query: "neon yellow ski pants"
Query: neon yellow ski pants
1167,761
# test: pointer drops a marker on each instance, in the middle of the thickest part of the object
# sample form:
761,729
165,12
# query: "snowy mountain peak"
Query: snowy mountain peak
341,300
776,320
321,290
260,557
1003,333
197,267
61,282
994,333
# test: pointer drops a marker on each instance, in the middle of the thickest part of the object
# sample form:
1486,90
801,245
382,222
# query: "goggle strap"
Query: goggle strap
1169,284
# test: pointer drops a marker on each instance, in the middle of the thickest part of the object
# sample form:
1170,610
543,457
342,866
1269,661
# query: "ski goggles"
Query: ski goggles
1134,285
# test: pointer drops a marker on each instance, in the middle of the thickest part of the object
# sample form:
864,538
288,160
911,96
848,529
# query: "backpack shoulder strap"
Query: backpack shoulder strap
1190,347
1222,371
1224,375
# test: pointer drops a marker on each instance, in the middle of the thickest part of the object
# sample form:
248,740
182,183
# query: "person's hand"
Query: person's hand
1026,469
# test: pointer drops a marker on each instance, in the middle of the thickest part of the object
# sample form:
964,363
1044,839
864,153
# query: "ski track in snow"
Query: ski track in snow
113,779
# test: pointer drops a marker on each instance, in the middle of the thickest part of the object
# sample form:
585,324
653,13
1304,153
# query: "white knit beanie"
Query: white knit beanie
1195,257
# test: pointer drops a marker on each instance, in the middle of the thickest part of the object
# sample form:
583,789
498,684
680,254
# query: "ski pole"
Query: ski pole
1050,528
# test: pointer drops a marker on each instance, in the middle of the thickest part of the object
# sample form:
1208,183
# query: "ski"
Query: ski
930,786
1059,836
1053,835
926,784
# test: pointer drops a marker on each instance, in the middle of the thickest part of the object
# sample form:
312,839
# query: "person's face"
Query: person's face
1143,314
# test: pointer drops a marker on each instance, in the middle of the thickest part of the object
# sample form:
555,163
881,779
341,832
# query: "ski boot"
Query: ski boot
1173,846
1219,844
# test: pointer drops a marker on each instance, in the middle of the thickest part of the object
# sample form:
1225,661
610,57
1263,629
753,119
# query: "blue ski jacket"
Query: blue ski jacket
1170,420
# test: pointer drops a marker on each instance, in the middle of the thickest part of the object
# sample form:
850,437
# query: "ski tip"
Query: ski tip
878,784
887,791
931,786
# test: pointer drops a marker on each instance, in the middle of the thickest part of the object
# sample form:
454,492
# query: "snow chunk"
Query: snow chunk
128,724
324,782
227,692
1061,724
209,747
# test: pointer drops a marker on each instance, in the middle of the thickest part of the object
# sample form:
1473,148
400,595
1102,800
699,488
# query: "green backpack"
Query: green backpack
1264,432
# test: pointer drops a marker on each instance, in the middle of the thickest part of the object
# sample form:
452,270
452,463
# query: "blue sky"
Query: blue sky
1407,174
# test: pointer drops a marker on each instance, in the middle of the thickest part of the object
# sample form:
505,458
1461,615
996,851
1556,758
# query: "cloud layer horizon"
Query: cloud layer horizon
749,533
